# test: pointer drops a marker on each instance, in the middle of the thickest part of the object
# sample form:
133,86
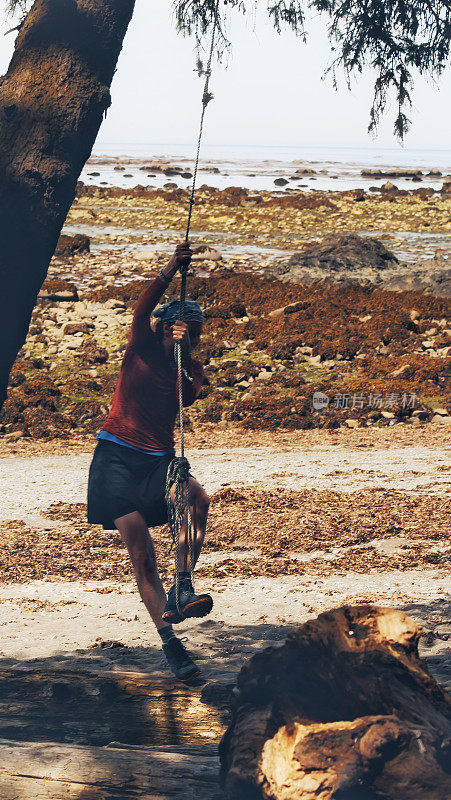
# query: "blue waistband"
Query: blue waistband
110,437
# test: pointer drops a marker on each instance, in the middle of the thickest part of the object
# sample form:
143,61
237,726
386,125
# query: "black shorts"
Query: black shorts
121,480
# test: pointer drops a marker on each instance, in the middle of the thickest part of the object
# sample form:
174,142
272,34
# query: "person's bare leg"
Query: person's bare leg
136,537
200,503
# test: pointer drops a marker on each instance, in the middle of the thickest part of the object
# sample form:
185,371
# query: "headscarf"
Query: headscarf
170,312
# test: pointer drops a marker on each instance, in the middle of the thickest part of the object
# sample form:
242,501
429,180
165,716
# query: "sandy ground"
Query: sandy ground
103,624
28,485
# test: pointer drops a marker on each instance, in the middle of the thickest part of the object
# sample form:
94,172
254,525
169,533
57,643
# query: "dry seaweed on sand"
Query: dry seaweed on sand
251,532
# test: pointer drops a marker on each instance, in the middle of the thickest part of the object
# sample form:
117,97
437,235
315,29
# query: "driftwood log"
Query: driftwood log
48,771
109,736
344,709
97,708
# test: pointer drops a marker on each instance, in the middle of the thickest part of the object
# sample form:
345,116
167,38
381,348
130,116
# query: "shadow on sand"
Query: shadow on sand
123,725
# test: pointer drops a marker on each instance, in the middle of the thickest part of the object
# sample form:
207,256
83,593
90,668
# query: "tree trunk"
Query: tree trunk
345,709
52,101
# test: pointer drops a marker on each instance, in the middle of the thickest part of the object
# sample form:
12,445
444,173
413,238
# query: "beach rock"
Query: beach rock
14,436
82,214
170,185
238,310
59,290
72,245
421,414
396,172
161,166
77,327
357,194
388,187
205,253
446,188
175,195
278,313
92,353
280,182
345,708
347,259
231,195
254,199
432,276
114,303
439,419
342,252
424,192
300,201
402,372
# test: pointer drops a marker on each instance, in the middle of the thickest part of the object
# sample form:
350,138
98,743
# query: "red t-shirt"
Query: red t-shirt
145,403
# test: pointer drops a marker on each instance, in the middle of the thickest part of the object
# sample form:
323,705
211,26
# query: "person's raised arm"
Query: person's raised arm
151,296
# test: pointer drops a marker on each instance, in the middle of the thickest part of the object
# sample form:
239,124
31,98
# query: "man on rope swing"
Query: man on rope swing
127,478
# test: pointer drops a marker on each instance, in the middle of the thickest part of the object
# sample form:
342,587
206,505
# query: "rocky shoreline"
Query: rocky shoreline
245,169
302,307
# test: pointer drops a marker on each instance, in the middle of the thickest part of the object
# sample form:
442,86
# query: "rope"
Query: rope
178,476
178,470
206,97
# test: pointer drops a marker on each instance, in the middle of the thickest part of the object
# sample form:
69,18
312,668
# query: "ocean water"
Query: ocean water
257,167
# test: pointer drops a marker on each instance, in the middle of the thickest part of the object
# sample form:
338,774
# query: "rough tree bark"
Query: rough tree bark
52,102
345,709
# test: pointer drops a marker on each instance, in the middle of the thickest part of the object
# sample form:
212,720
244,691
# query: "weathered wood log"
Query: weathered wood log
344,709
47,771
98,708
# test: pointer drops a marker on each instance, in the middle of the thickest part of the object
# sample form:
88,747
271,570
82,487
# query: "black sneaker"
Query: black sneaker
191,604
181,664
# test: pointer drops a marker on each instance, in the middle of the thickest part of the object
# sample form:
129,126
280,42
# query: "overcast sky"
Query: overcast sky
271,92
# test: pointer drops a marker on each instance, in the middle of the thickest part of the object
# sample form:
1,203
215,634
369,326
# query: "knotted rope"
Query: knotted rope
178,470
